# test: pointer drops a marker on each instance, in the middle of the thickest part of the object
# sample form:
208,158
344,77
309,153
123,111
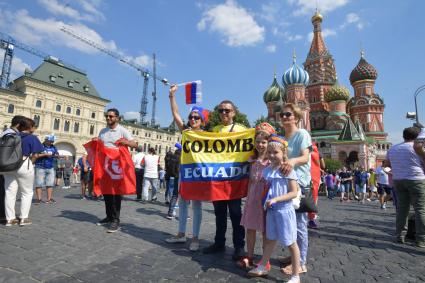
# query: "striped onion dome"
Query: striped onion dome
363,71
295,75
274,93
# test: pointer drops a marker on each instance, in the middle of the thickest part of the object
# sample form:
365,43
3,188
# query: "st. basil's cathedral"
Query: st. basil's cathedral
349,129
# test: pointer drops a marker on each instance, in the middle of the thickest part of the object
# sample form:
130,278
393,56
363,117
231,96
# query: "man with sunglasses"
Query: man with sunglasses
111,136
227,112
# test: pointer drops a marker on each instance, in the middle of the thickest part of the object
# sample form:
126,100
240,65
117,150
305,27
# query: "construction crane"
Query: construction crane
145,73
153,122
8,43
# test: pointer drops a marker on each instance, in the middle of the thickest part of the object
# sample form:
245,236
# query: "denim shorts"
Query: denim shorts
360,188
44,177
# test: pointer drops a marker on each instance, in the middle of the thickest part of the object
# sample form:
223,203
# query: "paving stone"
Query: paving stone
354,243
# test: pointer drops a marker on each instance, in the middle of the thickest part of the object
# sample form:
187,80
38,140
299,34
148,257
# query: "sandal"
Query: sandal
245,263
259,271
288,269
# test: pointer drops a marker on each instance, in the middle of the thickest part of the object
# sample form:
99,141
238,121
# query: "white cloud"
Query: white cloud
130,115
271,48
353,19
325,33
269,11
56,8
36,32
306,7
291,37
143,60
233,23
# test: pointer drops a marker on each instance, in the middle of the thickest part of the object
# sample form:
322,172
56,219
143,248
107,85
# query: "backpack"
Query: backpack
11,157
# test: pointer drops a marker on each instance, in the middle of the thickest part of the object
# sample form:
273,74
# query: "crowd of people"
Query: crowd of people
280,172
360,185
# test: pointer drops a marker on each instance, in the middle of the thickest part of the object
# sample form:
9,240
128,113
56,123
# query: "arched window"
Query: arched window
78,112
37,120
11,108
56,124
38,104
91,129
76,127
159,149
58,108
68,110
66,126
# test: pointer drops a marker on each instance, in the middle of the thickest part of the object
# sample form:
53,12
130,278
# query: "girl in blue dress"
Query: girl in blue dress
281,224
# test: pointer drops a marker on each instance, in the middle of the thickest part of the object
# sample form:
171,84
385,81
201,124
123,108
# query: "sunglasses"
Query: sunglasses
194,117
285,114
110,116
227,111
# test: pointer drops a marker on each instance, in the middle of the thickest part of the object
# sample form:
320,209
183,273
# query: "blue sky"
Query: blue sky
233,46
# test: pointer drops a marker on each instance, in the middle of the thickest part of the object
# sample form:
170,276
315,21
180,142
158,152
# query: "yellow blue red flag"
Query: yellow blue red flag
214,166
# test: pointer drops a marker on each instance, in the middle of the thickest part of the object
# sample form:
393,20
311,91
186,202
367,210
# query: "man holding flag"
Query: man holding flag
114,173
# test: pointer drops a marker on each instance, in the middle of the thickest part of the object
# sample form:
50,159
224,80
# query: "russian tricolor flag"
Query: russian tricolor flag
193,92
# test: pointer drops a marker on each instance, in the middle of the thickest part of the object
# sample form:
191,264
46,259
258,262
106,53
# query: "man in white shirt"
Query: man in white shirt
112,134
384,190
150,177
137,160
409,183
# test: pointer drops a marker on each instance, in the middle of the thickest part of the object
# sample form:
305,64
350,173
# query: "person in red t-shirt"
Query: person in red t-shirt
317,165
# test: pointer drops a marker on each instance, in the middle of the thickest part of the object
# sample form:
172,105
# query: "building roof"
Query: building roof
295,75
349,132
363,71
274,92
53,71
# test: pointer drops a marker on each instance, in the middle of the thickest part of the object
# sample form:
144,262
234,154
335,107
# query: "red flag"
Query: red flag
113,169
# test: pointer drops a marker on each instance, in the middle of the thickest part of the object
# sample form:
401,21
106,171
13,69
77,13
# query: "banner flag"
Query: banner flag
214,166
113,169
193,92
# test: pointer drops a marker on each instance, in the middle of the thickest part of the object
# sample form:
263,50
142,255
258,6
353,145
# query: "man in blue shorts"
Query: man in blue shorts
45,171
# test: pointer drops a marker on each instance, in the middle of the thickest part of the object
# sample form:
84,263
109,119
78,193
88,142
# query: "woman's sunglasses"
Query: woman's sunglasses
194,117
285,114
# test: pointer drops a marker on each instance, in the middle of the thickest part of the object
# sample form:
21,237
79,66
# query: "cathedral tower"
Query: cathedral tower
295,80
320,66
367,107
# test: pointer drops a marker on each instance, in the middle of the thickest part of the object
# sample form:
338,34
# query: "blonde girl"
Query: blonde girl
281,223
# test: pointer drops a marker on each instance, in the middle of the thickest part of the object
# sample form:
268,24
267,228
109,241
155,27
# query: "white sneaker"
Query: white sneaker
194,246
294,279
259,271
176,239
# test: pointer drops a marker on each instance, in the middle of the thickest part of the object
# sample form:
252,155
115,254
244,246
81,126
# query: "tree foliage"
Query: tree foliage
332,164
214,119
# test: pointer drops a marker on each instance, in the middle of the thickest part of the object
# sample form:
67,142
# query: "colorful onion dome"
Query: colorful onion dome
295,75
363,71
274,93
337,92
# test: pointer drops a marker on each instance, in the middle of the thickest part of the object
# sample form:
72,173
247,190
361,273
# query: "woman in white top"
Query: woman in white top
197,119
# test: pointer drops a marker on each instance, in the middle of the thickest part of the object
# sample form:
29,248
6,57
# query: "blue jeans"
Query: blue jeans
174,191
197,216
302,233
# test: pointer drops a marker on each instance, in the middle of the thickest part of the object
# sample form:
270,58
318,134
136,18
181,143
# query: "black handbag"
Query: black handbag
307,203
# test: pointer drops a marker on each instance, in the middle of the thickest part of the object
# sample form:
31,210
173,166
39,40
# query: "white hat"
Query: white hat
421,134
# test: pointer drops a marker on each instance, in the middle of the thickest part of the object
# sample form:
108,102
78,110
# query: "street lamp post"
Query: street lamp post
421,88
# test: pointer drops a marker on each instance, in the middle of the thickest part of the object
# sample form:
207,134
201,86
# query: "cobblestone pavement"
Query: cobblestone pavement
354,244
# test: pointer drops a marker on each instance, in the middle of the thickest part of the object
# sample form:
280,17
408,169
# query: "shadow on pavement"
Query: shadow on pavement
79,216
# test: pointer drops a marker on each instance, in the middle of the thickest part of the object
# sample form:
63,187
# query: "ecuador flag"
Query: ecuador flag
214,166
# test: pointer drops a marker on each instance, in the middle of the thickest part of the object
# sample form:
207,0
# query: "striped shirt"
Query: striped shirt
405,163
